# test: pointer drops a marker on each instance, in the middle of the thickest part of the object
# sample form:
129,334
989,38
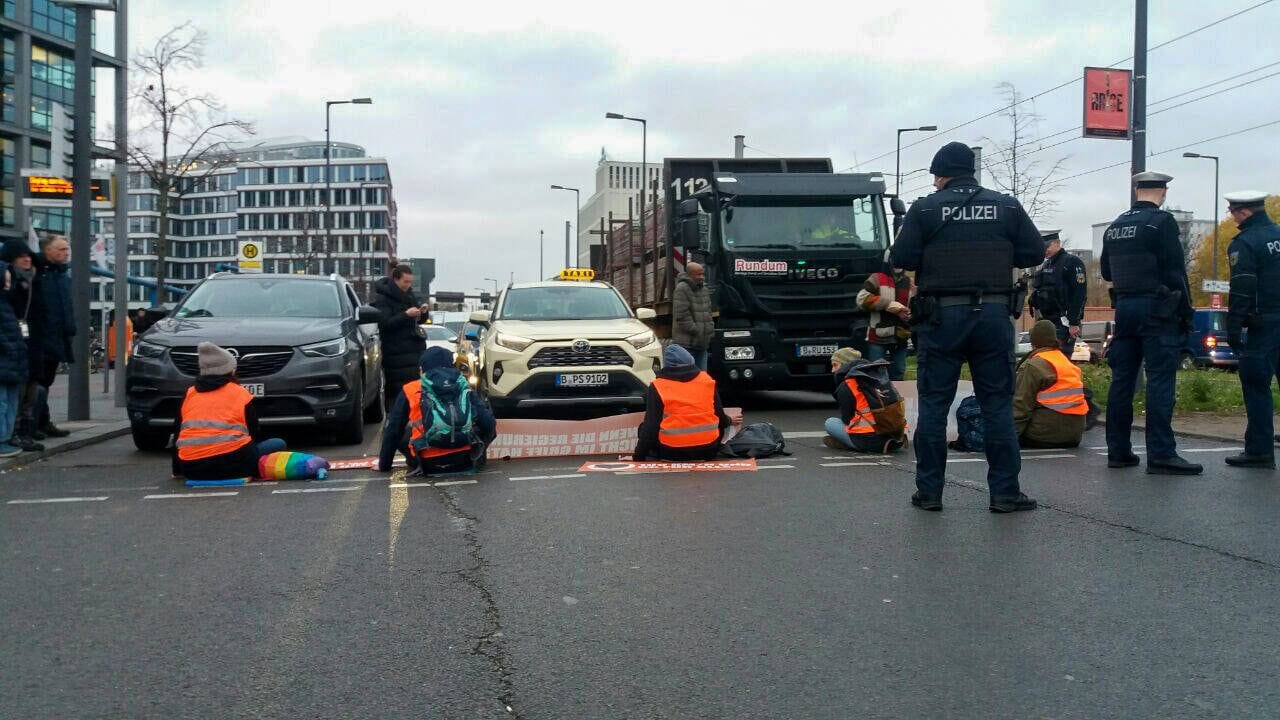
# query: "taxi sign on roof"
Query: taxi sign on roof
578,274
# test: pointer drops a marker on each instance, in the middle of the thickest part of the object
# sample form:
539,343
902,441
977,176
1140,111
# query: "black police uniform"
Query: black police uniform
1142,258
1255,304
964,243
1059,293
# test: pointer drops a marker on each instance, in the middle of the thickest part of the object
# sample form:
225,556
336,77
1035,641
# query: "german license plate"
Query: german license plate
255,389
815,350
572,380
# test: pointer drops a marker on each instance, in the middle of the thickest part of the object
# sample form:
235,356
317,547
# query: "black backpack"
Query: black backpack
972,434
757,440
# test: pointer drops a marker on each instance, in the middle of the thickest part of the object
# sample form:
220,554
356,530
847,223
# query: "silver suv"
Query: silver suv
307,350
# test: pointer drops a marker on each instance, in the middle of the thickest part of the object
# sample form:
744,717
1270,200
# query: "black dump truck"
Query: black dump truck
786,244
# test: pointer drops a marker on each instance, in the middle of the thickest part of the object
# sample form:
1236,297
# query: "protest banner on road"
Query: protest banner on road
660,466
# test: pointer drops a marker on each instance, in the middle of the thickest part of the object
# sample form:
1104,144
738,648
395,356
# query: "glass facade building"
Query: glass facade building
274,194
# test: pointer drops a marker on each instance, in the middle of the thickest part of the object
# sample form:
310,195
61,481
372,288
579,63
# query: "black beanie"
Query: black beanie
953,160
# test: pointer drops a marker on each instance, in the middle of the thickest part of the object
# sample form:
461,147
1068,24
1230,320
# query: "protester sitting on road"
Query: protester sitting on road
13,363
683,418
873,415
217,426
438,422
1049,405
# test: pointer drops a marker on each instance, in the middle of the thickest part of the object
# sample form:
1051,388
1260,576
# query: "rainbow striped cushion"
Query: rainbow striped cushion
290,465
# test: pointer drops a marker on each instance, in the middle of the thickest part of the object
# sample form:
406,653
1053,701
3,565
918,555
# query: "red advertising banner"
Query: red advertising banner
1106,102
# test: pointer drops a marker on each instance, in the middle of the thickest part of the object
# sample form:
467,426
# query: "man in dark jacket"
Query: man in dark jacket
13,363
683,418
413,417
692,312
216,430
52,325
402,340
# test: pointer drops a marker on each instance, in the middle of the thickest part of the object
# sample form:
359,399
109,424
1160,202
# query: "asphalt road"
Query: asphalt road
807,589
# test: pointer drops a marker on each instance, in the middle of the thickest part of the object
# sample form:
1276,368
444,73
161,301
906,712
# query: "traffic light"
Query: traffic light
486,298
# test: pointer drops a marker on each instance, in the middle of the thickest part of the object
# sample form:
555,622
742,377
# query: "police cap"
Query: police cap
1050,235
1149,180
1245,198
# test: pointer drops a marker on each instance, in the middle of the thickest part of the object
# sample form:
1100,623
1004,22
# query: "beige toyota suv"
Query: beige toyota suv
565,343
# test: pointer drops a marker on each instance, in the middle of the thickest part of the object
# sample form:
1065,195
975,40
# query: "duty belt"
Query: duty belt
996,298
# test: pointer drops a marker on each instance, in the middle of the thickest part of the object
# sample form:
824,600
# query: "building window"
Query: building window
52,18
52,81
6,195
57,220
39,155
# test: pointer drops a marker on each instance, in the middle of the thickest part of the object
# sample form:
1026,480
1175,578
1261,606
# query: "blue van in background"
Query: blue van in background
1207,342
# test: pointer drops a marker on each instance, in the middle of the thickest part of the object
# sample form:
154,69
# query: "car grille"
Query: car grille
565,356
254,361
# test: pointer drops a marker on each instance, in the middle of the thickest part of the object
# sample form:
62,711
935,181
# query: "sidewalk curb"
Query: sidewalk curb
1198,436
109,431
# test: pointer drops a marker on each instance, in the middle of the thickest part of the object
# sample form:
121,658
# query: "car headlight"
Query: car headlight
145,349
640,340
740,353
328,348
512,342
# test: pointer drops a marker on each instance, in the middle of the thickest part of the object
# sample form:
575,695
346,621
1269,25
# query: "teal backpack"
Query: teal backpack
446,414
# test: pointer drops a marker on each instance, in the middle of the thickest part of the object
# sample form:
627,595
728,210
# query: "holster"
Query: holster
924,309
1018,299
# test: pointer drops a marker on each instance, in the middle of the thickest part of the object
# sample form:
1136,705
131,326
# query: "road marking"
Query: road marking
1047,457
804,434
409,485
42,501
1221,449
546,477
1104,447
170,496
315,490
447,483
853,464
775,467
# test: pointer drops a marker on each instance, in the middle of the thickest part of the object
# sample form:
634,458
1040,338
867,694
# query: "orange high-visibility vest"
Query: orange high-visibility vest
213,422
688,412
417,430
1066,394
862,422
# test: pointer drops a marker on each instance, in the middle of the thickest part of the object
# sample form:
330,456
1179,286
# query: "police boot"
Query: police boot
1017,504
1241,460
53,431
926,502
1173,466
26,443
1122,461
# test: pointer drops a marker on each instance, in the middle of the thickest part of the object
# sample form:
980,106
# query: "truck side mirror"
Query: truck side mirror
690,227
899,210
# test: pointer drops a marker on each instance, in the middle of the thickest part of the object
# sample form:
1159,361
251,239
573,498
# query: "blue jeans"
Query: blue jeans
982,336
1137,341
835,429
1258,365
270,445
9,398
895,354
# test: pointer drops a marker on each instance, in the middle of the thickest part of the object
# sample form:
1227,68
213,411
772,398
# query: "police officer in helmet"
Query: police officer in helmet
1142,258
964,242
1255,304
1059,292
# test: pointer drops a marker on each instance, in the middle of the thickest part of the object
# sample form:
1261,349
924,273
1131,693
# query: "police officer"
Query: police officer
1060,290
1255,304
1142,258
964,242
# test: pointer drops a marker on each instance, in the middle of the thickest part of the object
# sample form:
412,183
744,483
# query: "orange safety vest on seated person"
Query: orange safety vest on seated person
688,412
213,422
1066,394
863,421
417,430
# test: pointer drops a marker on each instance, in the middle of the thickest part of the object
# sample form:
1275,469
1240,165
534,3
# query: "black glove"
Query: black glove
1236,341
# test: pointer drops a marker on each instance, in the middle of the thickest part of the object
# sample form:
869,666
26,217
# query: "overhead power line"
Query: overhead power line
1072,81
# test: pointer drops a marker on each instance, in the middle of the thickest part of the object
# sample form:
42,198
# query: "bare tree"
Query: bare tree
1011,164
182,136
305,248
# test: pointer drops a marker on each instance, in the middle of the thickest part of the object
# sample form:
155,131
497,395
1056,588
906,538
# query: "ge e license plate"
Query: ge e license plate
815,350
575,380
255,389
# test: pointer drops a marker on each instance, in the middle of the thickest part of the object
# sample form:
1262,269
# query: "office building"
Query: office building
270,191
617,191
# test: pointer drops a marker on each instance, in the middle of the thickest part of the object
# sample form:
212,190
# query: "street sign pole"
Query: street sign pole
81,197
121,198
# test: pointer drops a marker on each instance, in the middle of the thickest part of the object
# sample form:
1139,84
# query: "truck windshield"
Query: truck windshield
804,223
563,302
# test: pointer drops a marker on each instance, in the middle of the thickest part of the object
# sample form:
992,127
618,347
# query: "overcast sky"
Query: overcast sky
480,106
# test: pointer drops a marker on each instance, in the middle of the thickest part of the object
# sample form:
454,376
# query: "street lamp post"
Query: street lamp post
644,171
328,168
495,286
541,275
1214,158
897,161
577,204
